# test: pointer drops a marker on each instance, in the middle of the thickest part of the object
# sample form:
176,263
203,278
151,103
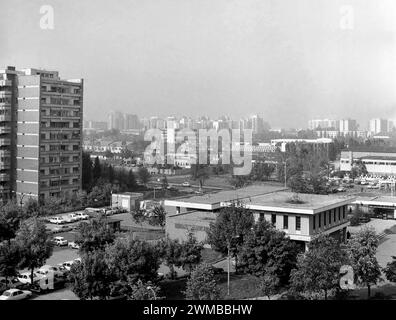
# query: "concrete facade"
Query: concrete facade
127,200
47,132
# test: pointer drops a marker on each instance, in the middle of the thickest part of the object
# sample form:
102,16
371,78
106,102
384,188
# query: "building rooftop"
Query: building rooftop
268,198
212,201
285,201
380,158
383,149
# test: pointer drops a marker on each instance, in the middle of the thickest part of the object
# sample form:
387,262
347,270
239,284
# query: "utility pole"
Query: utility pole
228,268
285,173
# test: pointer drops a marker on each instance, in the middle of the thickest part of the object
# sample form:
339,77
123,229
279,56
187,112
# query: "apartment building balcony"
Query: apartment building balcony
5,117
5,94
5,142
5,130
4,188
4,177
5,153
5,83
4,166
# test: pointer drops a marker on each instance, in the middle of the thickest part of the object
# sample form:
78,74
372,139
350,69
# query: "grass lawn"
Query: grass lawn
241,287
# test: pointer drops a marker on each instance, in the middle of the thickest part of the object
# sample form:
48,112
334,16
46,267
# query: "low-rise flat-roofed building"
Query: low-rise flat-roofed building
378,161
300,220
126,200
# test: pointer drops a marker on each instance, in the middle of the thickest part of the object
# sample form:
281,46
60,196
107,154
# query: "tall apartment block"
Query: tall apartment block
46,117
8,100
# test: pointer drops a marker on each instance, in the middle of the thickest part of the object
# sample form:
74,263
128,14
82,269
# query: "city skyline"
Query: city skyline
288,61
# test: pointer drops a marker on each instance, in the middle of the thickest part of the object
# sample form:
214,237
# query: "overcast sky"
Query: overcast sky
286,60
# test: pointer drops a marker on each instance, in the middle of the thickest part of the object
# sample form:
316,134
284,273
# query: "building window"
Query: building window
343,212
334,215
329,217
314,222
339,214
273,219
285,222
298,223
320,220
324,218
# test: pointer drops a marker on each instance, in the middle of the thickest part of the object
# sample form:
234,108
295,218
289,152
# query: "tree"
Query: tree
358,169
158,217
35,245
96,170
9,259
201,284
191,253
227,232
164,182
362,248
269,284
171,251
131,260
91,278
10,218
144,291
266,248
138,215
318,269
144,175
390,270
131,183
200,172
86,171
94,235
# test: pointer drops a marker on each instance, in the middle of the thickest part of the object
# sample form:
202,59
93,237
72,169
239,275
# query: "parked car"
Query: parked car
71,218
25,278
73,245
67,265
9,283
46,285
82,215
57,220
60,241
15,294
59,229
341,189
110,212
186,184
45,270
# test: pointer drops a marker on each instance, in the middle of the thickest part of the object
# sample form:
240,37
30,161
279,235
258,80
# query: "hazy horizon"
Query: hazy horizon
286,60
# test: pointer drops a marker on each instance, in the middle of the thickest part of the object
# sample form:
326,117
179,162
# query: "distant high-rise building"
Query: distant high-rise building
317,124
116,121
131,122
348,125
379,126
95,125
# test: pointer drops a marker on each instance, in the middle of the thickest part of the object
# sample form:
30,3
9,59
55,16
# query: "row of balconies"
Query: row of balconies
5,153
45,188
4,177
5,117
5,83
4,166
5,130
5,142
